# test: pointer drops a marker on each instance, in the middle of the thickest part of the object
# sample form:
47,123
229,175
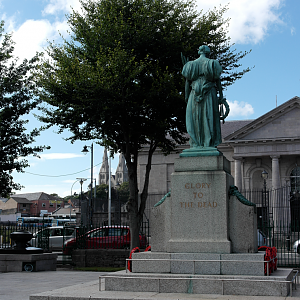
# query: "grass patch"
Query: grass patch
99,269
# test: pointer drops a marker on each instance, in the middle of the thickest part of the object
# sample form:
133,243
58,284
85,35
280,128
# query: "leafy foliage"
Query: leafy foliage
118,79
16,101
119,195
123,192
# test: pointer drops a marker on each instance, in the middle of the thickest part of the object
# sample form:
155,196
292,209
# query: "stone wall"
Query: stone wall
100,257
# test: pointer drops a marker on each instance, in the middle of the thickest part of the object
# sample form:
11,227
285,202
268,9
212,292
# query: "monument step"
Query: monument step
251,264
278,284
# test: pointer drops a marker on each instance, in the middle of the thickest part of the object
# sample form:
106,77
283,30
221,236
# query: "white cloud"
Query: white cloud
250,19
31,36
240,109
61,5
250,22
60,155
293,30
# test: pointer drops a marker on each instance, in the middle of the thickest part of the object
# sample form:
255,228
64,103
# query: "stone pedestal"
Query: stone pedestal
199,205
200,217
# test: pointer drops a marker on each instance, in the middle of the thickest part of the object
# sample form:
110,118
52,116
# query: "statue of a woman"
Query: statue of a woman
202,112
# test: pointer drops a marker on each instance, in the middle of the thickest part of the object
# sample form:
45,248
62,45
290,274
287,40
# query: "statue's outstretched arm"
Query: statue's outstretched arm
184,59
187,82
219,87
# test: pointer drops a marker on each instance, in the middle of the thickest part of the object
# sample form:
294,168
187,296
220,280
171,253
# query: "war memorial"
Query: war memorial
204,233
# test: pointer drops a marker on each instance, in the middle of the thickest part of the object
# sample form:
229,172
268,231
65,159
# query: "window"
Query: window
43,204
97,233
56,232
68,231
114,231
295,179
23,205
51,204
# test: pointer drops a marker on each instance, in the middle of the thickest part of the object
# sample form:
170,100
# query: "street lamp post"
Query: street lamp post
81,180
95,189
85,150
117,191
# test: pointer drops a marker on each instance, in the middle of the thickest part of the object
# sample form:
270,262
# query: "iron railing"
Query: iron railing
278,217
107,237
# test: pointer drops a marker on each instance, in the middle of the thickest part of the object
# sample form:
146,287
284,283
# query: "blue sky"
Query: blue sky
269,27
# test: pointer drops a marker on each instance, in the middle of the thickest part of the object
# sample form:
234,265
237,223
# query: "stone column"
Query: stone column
238,180
275,172
277,215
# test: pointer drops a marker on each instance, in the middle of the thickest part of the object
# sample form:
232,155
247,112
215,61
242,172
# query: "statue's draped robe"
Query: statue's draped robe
202,113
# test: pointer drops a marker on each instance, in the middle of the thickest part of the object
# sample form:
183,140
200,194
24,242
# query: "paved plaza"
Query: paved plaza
20,285
67,284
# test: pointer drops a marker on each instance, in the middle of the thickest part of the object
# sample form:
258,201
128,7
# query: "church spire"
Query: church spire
121,172
104,170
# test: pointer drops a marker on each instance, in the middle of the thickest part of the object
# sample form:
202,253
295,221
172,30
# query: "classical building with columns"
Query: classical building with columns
270,142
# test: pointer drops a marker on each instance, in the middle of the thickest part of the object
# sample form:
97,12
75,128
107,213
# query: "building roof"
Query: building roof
3,199
36,196
20,200
230,127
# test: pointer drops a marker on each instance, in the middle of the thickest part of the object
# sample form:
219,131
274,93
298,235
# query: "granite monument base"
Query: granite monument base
278,284
199,263
197,213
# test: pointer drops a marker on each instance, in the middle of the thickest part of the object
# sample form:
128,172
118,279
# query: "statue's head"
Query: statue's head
204,50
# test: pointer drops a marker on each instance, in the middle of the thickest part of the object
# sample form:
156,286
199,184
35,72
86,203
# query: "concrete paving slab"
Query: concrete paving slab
20,285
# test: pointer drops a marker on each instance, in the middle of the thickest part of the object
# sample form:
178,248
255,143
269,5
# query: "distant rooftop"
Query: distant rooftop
36,196
231,126
20,200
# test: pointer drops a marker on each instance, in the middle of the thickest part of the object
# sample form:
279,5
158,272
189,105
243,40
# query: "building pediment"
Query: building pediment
280,124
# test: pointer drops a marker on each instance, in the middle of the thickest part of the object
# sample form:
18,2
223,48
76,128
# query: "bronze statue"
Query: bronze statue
201,92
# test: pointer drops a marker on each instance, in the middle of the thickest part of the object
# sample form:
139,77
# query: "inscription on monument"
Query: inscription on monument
197,185
198,195
198,204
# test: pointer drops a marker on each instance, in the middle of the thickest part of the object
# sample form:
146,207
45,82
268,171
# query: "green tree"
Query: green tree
118,80
101,191
118,194
123,192
16,101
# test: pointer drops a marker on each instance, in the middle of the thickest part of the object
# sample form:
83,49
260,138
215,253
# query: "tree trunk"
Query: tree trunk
135,210
132,206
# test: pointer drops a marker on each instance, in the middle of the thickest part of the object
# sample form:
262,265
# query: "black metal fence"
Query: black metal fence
56,238
106,237
6,228
278,217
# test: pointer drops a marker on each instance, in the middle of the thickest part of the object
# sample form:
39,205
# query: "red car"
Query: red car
111,237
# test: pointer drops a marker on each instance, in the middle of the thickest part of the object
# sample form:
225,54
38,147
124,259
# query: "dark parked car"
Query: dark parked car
109,237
